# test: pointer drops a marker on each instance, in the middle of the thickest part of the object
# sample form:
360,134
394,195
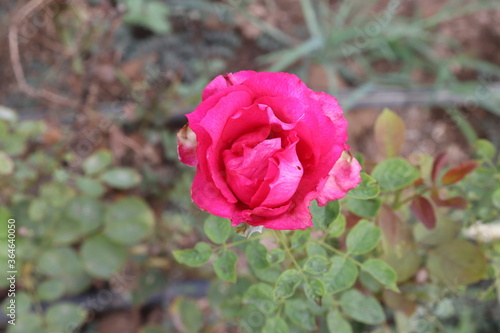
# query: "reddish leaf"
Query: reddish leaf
455,202
399,302
422,209
351,220
397,235
438,165
458,173
390,133
419,181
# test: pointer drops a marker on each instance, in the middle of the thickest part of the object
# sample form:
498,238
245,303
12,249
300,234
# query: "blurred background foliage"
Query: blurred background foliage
92,99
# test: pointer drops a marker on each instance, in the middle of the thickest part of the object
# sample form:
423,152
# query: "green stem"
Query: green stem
243,241
397,204
289,252
345,255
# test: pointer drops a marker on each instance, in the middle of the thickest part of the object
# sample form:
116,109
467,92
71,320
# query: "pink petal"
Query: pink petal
209,130
329,105
245,171
206,196
344,176
285,184
186,146
287,217
221,83
277,84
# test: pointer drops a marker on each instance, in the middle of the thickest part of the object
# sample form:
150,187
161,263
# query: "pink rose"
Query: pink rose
264,146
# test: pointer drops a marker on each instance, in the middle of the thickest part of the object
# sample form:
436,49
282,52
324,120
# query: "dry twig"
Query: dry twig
23,14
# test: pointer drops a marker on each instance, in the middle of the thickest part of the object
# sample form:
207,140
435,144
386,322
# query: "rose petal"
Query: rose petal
209,198
344,176
329,105
285,184
186,146
287,217
221,82
277,84
209,131
245,171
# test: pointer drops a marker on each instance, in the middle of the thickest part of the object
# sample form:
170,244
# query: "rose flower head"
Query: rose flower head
264,146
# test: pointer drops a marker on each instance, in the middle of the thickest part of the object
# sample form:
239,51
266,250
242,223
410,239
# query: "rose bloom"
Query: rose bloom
264,146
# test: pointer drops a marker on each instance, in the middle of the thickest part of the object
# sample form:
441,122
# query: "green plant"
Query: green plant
371,256
149,14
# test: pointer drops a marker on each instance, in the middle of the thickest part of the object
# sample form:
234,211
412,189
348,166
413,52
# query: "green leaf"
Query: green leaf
103,258
24,303
31,323
485,149
191,315
97,162
369,282
363,237
337,324
457,262
316,265
85,214
318,215
495,198
37,209
256,254
299,313
59,262
446,229
195,257
314,248
362,308
151,15
90,187
276,256
287,283
341,276
6,164
261,296
275,325
225,265
367,189
14,144
394,174
121,178
128,220
300,238
217,229
337,228
390,133
65,316
406,265
364,208
382,272
257,258
50,290
314,289
332,212
323,217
